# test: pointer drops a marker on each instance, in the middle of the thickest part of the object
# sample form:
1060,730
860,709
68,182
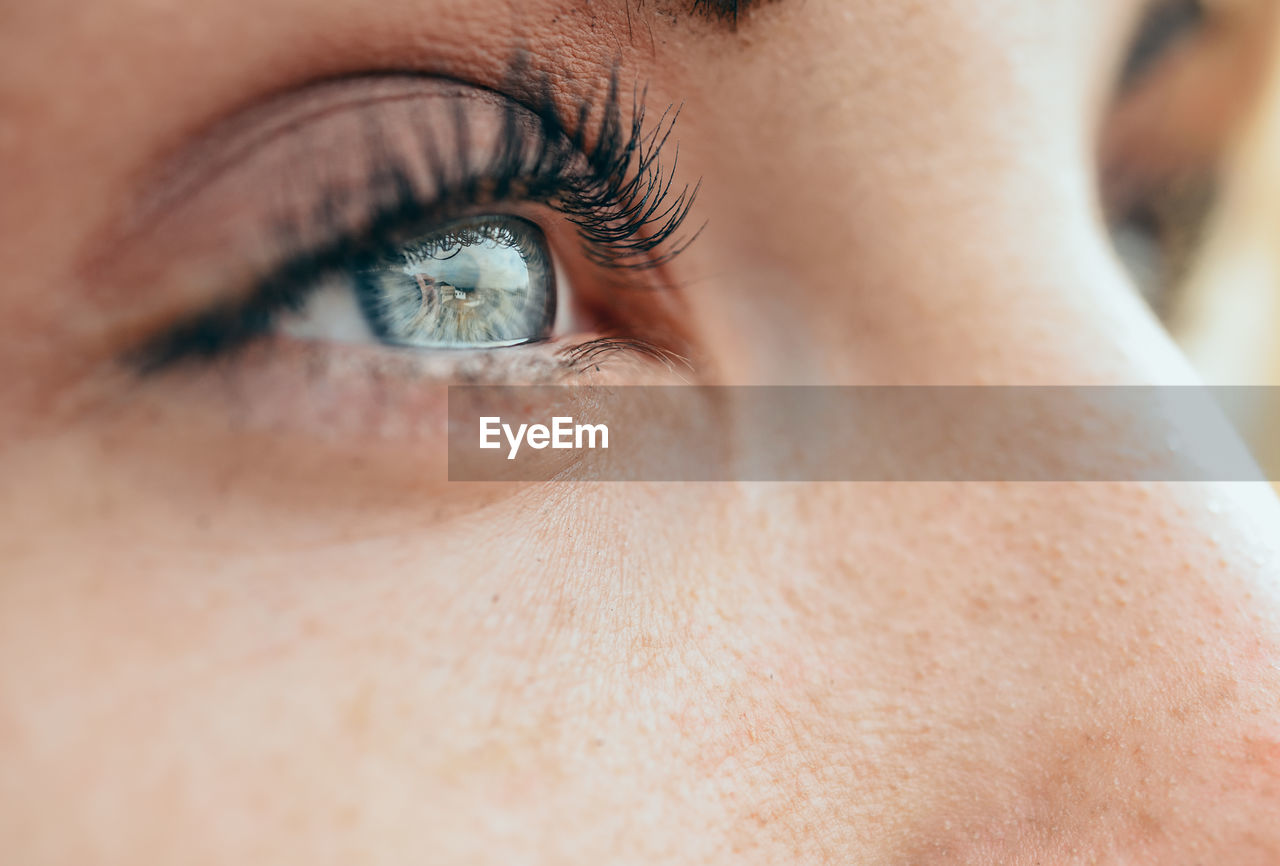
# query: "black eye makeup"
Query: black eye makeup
425,214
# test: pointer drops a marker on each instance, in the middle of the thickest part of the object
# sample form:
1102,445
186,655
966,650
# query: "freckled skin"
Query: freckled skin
230,640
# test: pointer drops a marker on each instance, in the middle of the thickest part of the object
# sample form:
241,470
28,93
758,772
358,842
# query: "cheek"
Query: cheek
755,660
1063,664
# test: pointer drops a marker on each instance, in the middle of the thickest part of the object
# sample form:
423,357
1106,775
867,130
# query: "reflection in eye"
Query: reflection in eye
483,282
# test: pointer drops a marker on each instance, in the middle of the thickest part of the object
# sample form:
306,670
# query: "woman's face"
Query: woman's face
245,618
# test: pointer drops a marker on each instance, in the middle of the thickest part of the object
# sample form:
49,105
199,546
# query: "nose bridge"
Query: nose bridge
906,208
919,271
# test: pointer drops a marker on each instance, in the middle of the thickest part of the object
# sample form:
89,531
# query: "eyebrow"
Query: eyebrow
723,11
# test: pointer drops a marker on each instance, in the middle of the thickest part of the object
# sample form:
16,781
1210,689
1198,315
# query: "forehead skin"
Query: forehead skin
202,661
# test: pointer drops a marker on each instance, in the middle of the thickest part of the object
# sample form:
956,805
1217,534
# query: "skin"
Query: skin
236,628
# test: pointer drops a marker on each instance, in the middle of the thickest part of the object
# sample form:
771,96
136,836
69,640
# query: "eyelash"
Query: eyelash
610,185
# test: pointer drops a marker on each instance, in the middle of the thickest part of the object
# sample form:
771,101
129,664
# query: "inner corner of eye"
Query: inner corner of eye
475,283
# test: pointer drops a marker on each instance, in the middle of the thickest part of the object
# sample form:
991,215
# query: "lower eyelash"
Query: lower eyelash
588,356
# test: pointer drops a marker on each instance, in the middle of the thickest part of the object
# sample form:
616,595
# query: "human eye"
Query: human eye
435,218
1189,82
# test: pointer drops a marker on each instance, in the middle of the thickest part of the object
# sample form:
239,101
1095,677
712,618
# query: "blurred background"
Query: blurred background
1190,157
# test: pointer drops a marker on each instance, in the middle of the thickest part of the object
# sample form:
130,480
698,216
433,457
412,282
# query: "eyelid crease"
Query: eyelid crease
218,152
185,168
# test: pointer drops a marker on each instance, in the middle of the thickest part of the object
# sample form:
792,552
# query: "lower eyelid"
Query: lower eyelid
350,396
371,395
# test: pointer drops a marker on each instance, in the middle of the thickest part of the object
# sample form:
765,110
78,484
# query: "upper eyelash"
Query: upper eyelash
623,206
606,179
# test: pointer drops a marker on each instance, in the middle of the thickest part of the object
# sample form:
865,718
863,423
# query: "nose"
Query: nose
918,210
1074,667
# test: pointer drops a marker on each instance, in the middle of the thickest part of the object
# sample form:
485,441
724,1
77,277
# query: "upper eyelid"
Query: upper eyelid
183,167
200,164
194,167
